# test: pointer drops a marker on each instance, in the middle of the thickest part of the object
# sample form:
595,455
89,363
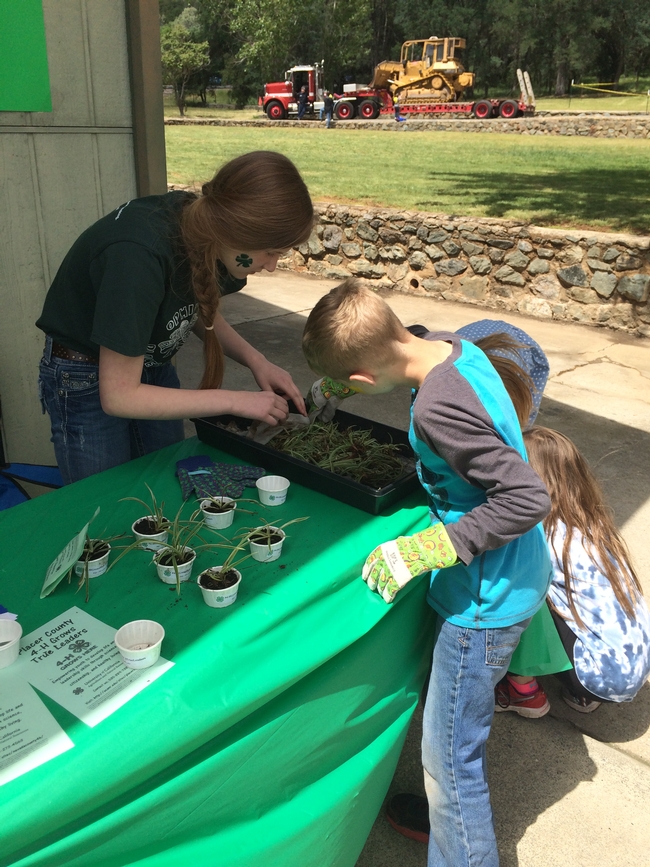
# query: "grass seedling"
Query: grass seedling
93,549
154,510
353,453
181,535
265,533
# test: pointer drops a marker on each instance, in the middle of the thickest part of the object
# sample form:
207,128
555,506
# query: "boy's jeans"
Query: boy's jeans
86,439
467,665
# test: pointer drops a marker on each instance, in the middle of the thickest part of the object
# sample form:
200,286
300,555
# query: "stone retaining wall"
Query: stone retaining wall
595,125
584,276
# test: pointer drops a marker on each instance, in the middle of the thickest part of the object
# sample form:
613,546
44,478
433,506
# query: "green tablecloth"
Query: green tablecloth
275,735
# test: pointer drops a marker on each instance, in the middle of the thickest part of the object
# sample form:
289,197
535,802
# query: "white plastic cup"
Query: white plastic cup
167,574
218,520
139,643
265,553
96,567
219,598
10,634
150,543
272,490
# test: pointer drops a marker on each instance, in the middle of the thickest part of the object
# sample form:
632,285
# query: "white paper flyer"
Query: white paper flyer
29,734
73,659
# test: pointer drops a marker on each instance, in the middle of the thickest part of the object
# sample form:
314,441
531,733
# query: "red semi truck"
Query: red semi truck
280,98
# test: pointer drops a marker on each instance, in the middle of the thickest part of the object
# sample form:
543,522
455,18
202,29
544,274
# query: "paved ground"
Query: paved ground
567,788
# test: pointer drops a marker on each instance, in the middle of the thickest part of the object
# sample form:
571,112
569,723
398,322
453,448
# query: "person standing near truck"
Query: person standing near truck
328,108
398,116
303,99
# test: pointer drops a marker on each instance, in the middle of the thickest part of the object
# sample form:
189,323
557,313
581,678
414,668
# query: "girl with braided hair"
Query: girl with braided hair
132,288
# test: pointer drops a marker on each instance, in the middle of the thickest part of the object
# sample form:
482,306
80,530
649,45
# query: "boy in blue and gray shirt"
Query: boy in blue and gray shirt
485,548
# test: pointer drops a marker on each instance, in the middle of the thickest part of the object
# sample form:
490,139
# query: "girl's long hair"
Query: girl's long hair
500,349
257,201
578,502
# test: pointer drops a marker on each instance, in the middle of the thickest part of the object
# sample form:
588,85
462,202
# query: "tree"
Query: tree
623,34
182,55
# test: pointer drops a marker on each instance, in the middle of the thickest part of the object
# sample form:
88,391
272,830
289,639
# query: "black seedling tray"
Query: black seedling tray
373,500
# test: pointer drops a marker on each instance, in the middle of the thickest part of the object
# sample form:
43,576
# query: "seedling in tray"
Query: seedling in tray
351,452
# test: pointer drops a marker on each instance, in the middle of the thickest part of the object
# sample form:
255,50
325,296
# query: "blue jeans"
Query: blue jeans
86,439
467,665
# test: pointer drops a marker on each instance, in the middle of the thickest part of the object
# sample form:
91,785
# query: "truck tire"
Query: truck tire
508,109
275,110
368,109
482,109
344,110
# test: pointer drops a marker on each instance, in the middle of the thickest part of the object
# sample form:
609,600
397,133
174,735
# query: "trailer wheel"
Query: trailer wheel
344,110
275,110
509,109
482,109
368,109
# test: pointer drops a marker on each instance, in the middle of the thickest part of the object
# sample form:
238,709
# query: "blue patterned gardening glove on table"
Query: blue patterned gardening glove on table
392,565
325,397
207,479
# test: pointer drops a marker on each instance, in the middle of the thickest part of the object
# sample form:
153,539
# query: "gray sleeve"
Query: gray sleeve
454,424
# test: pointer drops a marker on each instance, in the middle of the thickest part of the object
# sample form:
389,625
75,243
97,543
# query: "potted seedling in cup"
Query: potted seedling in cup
266,540
220,584
152,529
84,556
218,512
93,561
174,562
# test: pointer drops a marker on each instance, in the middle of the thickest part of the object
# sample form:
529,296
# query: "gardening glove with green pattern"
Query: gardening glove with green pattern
325,397
207,479
392,565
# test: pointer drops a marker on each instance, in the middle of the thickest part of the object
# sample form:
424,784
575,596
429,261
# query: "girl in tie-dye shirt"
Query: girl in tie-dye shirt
595,596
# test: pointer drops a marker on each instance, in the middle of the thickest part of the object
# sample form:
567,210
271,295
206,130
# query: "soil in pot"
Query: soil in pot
99,552
147,527
167,559
219,508
213,580
266,539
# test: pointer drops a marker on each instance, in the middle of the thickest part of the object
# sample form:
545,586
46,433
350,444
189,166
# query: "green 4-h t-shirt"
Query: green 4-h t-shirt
125,284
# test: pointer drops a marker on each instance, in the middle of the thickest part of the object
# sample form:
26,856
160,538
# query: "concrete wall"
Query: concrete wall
597,278
60,172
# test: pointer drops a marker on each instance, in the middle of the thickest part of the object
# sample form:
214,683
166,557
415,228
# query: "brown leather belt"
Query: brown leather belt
60,351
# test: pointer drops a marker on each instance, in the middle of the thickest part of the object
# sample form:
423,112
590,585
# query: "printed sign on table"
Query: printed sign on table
73,659
29,734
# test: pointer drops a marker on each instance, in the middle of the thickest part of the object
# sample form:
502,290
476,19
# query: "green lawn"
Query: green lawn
594,103
572,182
220,108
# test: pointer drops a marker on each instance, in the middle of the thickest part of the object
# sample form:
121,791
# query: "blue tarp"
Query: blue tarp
12,492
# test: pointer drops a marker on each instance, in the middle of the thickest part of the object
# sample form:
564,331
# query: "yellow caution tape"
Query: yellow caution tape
602,90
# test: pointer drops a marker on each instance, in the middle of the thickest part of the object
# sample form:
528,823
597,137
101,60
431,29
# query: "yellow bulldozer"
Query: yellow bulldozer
429,70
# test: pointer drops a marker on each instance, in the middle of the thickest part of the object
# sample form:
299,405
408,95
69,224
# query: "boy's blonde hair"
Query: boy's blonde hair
351,329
